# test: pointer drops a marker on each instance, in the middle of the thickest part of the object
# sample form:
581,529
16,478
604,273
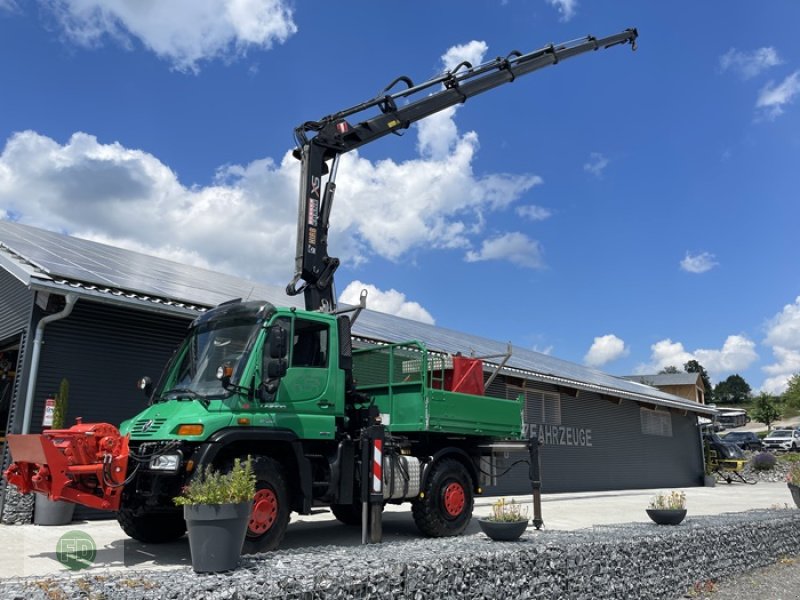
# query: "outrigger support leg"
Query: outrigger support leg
534,472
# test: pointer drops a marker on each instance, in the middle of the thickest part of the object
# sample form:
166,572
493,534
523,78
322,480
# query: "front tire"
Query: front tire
269,517
154,528
445,508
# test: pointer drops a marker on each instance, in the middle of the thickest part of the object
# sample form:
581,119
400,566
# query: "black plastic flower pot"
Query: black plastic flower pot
795,494
503,531
216,535
666,516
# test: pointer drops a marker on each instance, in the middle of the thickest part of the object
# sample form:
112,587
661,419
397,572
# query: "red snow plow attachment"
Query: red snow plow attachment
85,464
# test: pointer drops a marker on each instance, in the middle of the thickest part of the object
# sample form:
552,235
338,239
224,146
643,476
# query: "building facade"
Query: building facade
102,318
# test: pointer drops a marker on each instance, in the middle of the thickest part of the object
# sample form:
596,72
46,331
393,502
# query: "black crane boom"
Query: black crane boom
330,137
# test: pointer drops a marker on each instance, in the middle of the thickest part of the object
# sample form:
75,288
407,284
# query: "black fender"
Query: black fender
460,455
208,451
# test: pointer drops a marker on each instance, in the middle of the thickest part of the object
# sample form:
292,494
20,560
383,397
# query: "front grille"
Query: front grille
147,427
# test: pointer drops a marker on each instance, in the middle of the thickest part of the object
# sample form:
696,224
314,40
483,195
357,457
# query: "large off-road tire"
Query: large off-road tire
270,515
445,508
349,514
154,528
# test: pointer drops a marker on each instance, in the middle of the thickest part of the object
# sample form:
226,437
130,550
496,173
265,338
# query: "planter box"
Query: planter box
216,534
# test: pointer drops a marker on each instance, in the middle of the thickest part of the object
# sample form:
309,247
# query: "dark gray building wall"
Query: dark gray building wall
604,444
103,350
15,306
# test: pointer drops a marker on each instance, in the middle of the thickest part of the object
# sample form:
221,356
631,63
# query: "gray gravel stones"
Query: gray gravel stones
17,507
638,560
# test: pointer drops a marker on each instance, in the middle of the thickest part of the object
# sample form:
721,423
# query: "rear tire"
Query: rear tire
269,517
445,508
154,528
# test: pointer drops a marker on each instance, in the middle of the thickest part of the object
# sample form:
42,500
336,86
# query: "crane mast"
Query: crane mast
319,142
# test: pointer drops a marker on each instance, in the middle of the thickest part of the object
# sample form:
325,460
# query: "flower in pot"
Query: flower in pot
793,481
668,508
216,507
55,512
507,522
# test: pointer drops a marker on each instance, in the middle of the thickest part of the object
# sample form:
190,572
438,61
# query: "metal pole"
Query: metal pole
535,475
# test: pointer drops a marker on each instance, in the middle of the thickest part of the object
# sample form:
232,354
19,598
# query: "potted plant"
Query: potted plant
55,512
793,481
216,507
507,522
668,508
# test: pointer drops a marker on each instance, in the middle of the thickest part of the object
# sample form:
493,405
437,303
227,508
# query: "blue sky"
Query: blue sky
622,210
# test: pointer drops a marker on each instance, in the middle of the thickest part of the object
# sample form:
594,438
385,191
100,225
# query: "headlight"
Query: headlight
166,462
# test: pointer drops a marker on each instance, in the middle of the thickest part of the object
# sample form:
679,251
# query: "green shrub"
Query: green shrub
212,487
763,461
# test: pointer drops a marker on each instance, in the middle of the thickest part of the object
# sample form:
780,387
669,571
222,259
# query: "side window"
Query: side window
310,345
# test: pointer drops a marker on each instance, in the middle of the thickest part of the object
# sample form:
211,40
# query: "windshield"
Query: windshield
783,433
209,346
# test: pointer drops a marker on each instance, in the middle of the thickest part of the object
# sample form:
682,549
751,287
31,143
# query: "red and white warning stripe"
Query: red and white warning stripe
377,467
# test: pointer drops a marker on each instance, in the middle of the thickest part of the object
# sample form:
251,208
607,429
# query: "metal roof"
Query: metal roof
660,379
49,261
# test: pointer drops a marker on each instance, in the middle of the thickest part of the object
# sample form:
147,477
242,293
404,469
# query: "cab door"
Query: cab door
308,390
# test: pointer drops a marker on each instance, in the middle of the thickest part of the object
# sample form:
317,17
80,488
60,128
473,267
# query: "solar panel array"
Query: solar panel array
77,260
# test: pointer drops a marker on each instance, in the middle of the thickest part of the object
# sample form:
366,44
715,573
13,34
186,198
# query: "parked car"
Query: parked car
746,440
783,439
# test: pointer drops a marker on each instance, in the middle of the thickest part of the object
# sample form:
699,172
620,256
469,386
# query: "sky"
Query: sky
623,210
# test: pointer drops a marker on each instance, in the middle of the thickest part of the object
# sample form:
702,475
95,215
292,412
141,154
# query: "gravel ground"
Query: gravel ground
636,560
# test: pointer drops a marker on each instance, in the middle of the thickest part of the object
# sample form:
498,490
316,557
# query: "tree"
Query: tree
695,367
765,410
791,397
733,390
670,370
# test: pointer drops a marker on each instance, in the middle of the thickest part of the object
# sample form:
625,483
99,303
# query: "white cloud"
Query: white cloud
596,165
437,135
605,349
698,263
9,5
567,8
737,354
783,335
773,98
391,302
533,212
184,32
514,247
127,197
749,64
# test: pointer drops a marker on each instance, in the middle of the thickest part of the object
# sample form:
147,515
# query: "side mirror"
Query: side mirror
276,368
277,342
146,385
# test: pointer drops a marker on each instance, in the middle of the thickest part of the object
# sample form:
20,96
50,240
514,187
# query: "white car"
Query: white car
783,439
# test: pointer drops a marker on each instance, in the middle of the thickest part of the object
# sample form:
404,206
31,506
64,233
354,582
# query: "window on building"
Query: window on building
656,422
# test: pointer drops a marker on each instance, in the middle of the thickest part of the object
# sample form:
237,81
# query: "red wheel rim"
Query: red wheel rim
454,499
264,513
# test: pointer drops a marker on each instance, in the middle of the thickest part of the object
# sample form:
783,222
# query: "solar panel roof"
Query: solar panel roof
50,258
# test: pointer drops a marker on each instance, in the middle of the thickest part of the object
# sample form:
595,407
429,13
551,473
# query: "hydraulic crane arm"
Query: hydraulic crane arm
334,135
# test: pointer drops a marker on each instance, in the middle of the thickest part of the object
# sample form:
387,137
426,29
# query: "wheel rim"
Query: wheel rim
264,513
454,499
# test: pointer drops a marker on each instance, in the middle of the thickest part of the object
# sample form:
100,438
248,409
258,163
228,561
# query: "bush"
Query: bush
213,487
763,461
